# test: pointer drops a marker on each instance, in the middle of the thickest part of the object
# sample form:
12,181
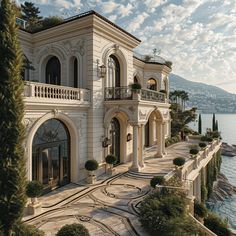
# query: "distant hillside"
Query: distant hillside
206,98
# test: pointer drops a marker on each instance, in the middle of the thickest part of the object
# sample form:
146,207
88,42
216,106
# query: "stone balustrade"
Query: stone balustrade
49,91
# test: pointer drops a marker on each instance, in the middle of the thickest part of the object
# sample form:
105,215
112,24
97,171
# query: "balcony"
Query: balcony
48,94
127,93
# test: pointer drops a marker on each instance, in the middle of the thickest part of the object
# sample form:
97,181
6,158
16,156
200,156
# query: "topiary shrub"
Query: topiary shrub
27,230
217,225
179,161
193,151
73,230
204,139
136,86
91,165
34,189
202,145
199,210
209,139
111,159
157,180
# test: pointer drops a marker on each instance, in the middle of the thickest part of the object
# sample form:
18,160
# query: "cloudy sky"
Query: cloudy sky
198,36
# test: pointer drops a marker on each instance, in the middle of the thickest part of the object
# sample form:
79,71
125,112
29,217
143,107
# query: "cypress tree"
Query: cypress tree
12,163
213,122
216,125
200,124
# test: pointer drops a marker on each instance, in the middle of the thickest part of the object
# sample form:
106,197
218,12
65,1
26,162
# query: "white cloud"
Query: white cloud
136,23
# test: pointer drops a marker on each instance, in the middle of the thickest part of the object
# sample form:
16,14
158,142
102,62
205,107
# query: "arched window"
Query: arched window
152,84
53,71
113,72
75,67
135,80
51,154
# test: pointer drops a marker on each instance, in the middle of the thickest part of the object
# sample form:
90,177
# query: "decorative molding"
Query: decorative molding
142,115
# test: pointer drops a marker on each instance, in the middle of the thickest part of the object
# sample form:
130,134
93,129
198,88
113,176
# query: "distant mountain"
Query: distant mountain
207,98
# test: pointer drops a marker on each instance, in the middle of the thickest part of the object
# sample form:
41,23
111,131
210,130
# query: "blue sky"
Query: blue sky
198,36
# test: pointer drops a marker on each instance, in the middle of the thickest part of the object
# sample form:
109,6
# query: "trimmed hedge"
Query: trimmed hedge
193,151
34,189
202,145
111,159
136,86
91,165
179,161
27,230
157,180
73,230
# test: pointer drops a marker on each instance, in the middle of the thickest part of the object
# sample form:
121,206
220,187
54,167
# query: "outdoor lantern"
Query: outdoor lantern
103,71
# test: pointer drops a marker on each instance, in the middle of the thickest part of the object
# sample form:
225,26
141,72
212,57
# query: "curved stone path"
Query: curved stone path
109,207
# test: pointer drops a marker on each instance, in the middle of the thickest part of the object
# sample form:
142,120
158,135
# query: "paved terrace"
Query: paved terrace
109,207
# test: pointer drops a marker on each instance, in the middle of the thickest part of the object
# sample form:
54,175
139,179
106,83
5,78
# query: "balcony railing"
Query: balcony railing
49,91
127,93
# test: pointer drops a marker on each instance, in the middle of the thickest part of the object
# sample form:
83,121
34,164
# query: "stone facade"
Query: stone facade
86,101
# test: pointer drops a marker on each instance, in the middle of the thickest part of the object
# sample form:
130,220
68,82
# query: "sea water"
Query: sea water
227,127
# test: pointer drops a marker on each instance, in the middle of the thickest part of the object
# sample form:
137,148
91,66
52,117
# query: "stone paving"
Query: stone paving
109,207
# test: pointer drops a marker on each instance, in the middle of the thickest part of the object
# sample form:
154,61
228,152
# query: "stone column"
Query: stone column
159,131
135,165
141,146
163,149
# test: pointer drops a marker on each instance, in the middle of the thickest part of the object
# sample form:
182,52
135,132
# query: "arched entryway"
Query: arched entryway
53,71
115,139
51,154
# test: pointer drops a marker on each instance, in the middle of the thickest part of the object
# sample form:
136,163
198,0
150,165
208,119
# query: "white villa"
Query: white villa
79,101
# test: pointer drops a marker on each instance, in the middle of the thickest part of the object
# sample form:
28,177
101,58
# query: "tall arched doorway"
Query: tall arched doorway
115,139
53,71
51,154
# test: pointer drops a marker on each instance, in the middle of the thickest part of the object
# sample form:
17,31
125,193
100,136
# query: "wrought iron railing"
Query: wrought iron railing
118,93
126,93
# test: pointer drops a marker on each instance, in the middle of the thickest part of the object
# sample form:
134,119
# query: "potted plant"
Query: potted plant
111,160
136,87
193,151
202,145
91,166
179,161
34,190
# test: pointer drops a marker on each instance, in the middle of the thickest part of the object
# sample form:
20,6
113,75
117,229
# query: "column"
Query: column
135,165
163,139
159,131
141,146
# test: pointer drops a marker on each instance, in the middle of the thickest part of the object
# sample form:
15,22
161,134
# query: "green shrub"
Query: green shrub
27,230
73,230
51,21
179,161
111,159
199,209
204,138
157,180
217,225
203,192
91,165
209,139
34,189
202,145
136,86
155,213
193,151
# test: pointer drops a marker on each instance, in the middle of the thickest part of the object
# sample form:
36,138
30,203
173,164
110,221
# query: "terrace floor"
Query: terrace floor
109,207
